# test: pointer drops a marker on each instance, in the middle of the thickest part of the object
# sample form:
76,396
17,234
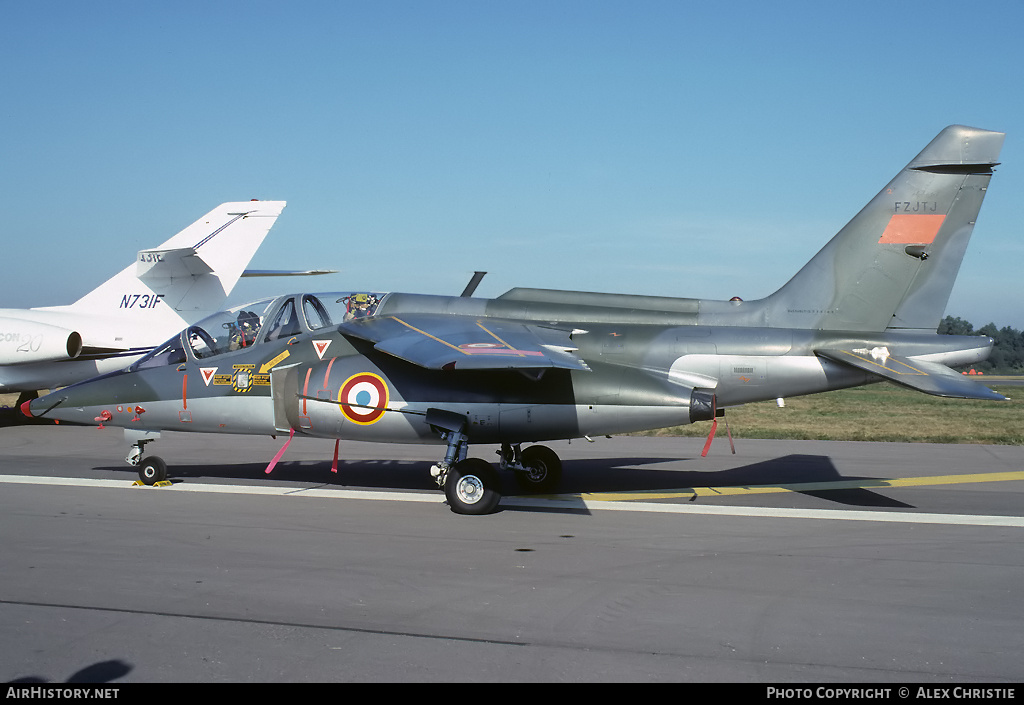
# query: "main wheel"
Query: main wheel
543,470
152,470
472,487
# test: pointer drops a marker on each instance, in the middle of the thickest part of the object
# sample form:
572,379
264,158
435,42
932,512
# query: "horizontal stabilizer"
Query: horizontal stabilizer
445,342
287,272
928,377
170,264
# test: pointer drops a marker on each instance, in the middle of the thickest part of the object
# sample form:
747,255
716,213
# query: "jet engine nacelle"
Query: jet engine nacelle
29,341
349,397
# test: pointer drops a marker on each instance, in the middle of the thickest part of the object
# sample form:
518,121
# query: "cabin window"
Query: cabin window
286,324
170,353
316,315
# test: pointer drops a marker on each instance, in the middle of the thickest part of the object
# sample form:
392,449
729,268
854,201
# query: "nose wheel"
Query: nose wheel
152,470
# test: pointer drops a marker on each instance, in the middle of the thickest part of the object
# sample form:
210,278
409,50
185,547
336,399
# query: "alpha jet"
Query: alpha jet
536,365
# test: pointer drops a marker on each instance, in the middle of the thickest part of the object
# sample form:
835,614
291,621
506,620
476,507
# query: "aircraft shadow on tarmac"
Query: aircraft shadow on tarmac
594,475
12,416
793,469
101,672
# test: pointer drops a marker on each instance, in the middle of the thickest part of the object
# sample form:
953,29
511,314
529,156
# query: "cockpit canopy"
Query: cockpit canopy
261,321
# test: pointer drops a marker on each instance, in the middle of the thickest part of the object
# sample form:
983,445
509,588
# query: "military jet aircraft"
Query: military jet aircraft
179,282
535,365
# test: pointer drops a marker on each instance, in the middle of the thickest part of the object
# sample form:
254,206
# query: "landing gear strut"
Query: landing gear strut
471,485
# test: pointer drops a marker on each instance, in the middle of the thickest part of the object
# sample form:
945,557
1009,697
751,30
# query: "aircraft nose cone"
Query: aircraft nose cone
42,407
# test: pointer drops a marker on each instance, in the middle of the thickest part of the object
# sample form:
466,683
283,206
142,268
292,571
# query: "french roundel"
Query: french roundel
363,398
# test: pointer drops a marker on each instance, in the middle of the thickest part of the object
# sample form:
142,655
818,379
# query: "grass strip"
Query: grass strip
877,412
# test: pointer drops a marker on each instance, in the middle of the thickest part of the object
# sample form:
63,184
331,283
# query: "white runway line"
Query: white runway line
540,502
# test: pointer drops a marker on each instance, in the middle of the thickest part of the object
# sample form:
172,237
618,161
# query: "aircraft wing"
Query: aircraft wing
928,377
452,342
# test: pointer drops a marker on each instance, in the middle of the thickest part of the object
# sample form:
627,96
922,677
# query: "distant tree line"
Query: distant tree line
1007,356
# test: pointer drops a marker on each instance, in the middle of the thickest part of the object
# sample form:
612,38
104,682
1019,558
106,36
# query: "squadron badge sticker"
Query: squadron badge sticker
363,398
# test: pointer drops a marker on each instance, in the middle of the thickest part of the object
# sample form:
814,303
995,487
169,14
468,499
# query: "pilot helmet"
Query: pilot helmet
248,321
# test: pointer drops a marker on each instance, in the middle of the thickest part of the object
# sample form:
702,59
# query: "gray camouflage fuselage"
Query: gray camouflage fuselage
536,365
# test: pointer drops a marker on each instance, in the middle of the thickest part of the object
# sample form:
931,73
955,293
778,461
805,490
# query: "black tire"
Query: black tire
544,470
152,470
472,487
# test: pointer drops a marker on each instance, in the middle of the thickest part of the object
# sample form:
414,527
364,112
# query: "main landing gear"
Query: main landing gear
538,469
472,485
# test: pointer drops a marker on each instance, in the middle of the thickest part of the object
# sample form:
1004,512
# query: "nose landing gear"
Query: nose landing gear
152,470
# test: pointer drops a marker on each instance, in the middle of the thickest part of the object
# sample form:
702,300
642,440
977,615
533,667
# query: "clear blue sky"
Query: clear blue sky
668,148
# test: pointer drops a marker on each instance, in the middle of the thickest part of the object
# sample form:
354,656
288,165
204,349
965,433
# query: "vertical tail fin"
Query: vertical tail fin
188,276
893,265
197,268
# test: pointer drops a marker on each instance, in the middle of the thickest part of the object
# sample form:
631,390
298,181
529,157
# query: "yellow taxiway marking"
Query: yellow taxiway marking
807,486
